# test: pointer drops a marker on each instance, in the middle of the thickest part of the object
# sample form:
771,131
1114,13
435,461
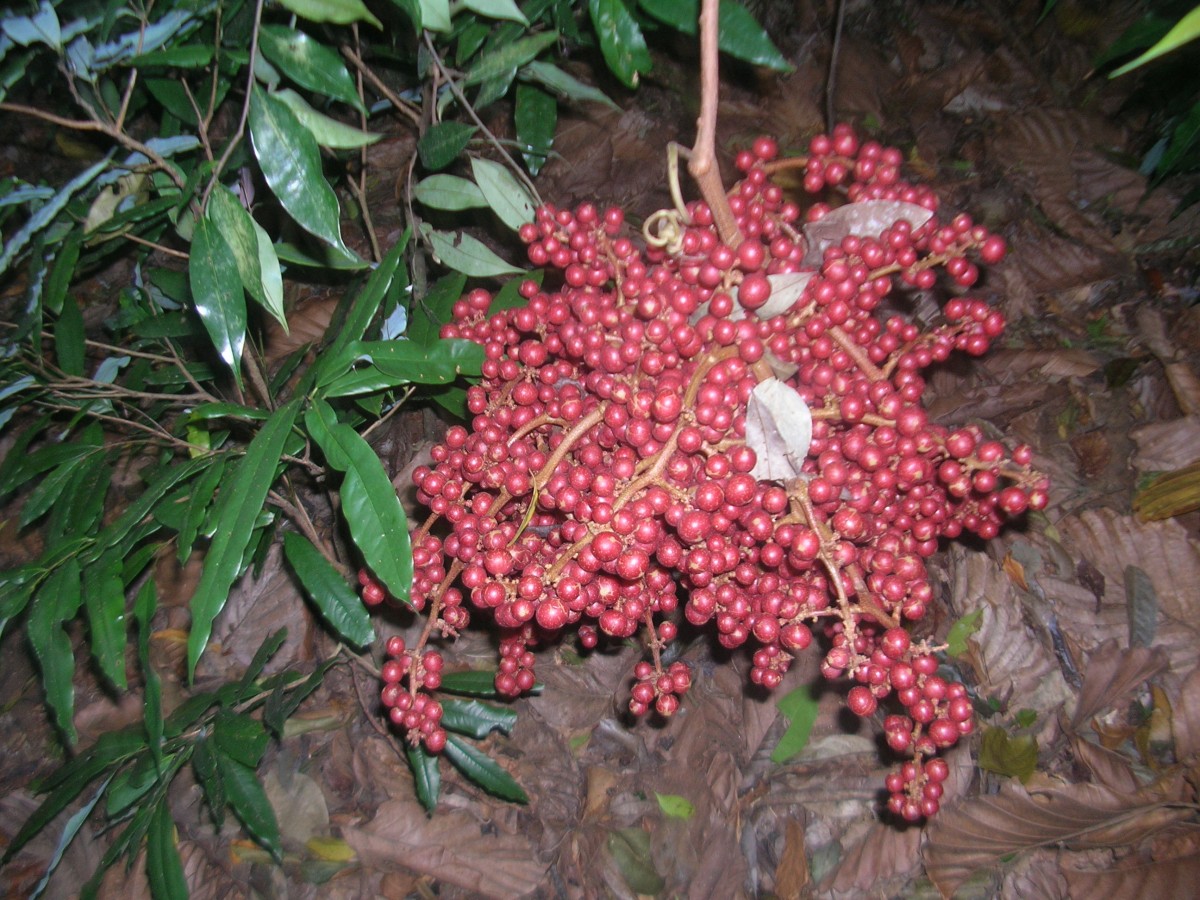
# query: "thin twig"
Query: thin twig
831,80
178,254
241,129
403,106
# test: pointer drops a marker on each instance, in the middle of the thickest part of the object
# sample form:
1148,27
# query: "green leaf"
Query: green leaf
81,505
189,56
217,292
402,362
337,12
104,600
241,233
497,9
68,338
62,273
426,776
1185,30
509,296
235,515
435,14
163,866
432,311
504,61
621,40
448,192
1184,137
309,63
675,806
329,132
442,143
630,850
46,493
279,707
338,603
800,708
290,161
505,194
739,34
143,611
1142,33
272,277
74,823
536,117
131,784
960,631
204,763
16,588
196,510
370,504
483,770
473,683
55,603
463,253
239,737
564,84
268,648
476,719
250,804
1012,757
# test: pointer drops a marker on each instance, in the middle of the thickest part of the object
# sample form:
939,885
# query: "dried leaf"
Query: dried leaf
1185,722
884,852
792,875
778,429
1166,446
1109,768
1159,878
1112,675
786,290
869,218
983,831
1141,604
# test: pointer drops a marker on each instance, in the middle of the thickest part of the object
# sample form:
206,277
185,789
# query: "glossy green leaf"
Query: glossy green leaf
739,34
309,63
412,9
472,683
535,115
16,589
280,705
187,56
336,601
79,509
20,467
510,297
163,866
448,192
239,737
442,143
62,272
435,14
431,312
426,776
290,161
143,611
505,194
70,830
235,515
1147,30
130,784
483,770
621,41
68,338
504,61
336,12
370,504
272,276
329,132
675,806
104,600
195,512
249,803
268,648
564,84
204,764
392,363
497,9
55,603
800,708
464,253
241,234
47,491
217,292
476,719
1184,31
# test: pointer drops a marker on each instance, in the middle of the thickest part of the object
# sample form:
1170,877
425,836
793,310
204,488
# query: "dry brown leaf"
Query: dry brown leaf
1166,446
1112,675
792,875
1015,365
1109,768
1185,718
984,830
1160,878
884,853
1152,327
450,847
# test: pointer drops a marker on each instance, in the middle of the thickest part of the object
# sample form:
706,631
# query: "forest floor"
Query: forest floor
1081,779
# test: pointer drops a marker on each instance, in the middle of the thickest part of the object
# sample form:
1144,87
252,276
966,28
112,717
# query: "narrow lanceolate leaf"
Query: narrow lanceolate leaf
508,198
240,737
564,84
217,292
237,228
337,12
432,311
1185,30
104,600
800,708
370,504
392,363
328,131
272,276
497,9
510,57
55,603
621,40
309,63
738,34
290,161
68,338
466,254
249,802
163,866
435,14
426,776
16,589
442,143
449,192
237,510
536,116
778,430
68,834
143,611
338,603
476,719
483,770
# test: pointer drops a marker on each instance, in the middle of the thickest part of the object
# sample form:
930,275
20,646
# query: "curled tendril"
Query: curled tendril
665,229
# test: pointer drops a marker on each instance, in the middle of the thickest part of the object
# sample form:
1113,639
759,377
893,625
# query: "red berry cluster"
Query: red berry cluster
408,676
606,478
